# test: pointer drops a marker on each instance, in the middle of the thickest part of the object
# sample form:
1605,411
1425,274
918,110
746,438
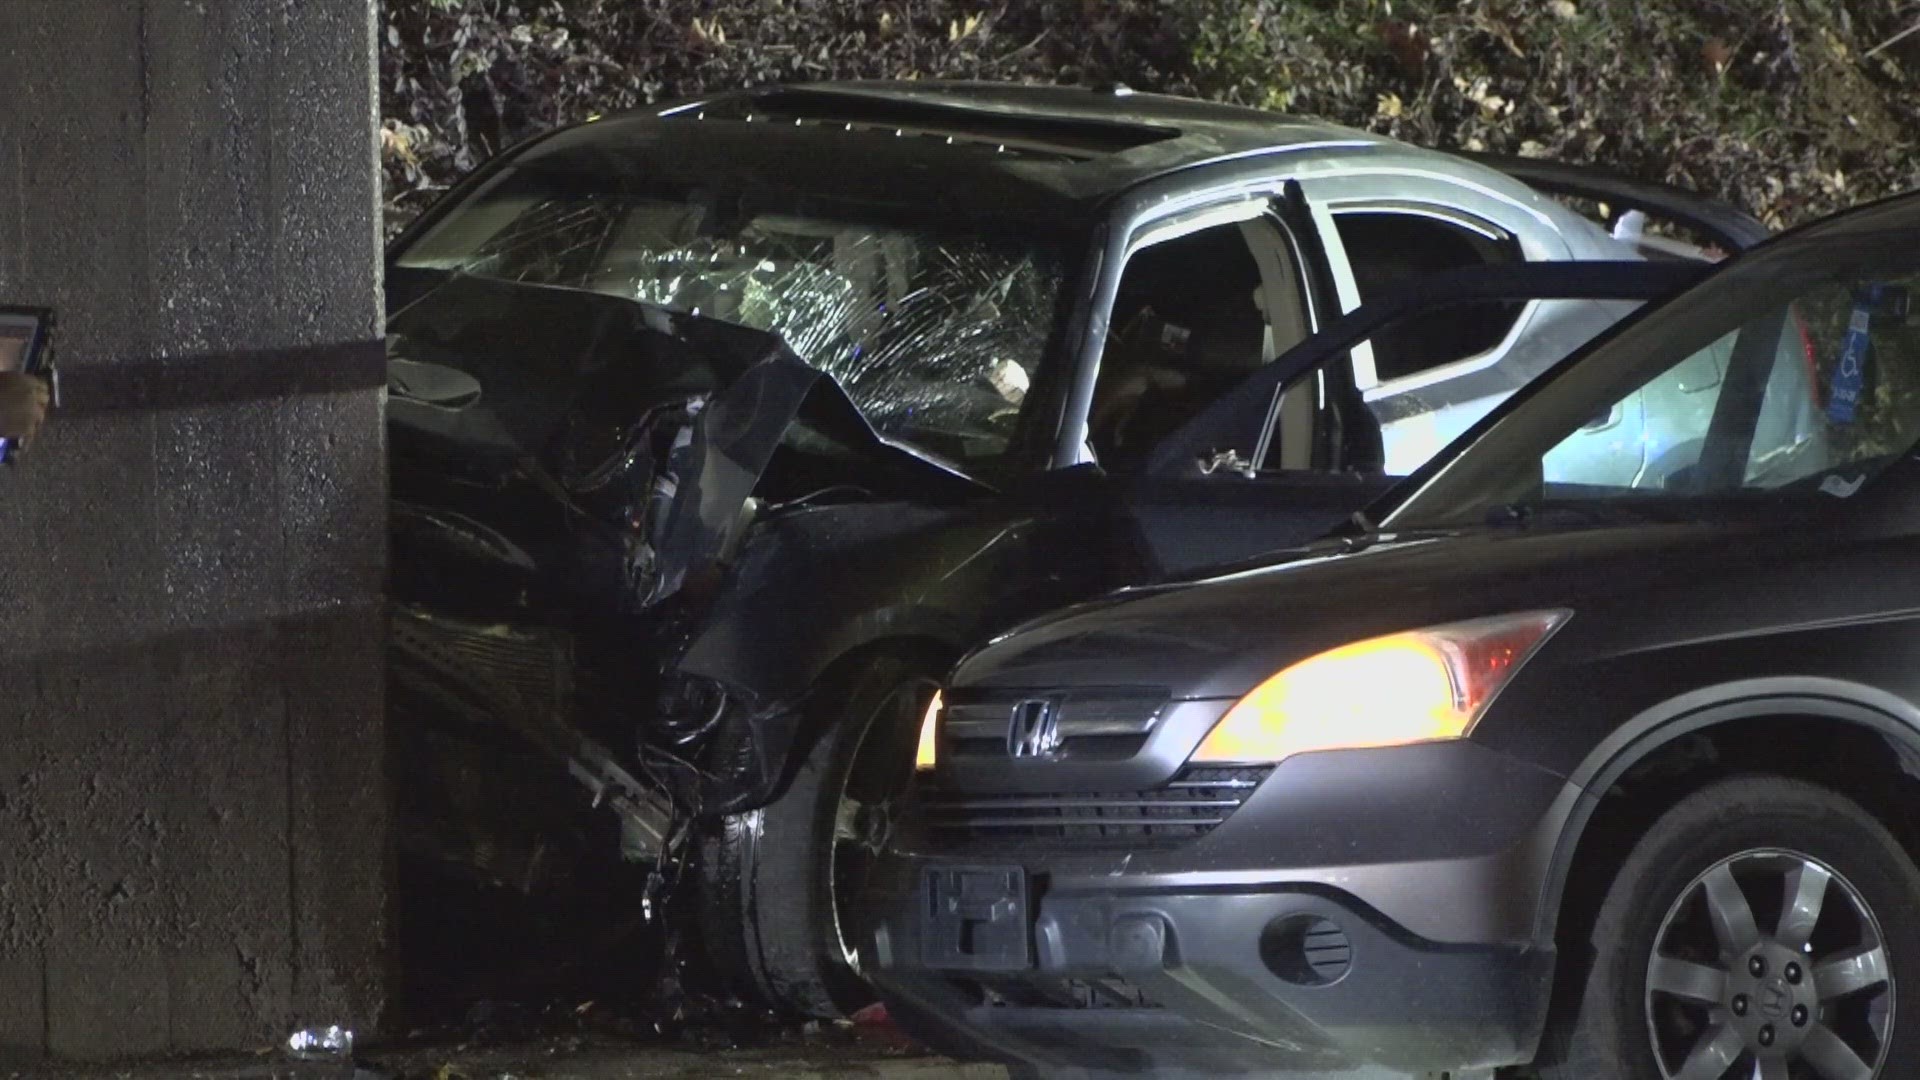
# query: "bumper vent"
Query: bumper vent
1307,950
1192,805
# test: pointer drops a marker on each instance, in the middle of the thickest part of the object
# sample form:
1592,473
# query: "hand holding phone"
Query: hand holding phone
23,405
25,346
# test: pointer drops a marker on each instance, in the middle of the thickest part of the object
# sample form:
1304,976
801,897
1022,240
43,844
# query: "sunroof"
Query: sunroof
1069,137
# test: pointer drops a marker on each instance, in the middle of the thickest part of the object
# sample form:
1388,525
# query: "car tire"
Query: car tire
1746,845
771,914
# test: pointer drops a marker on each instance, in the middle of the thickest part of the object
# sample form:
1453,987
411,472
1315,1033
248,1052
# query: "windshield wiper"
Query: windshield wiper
1360,532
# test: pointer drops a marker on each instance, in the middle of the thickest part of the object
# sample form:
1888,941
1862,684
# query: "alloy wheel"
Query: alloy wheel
868,803
1810,997
860,830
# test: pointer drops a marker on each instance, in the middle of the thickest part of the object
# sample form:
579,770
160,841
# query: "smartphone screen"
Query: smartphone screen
13,349
23,344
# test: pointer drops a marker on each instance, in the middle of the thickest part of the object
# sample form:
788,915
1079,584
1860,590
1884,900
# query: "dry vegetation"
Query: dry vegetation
1787,107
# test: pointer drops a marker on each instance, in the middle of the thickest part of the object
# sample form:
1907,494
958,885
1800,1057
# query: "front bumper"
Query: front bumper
1250,949
1164,985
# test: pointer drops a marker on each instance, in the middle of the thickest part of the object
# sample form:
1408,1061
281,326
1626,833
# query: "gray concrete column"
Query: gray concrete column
193,812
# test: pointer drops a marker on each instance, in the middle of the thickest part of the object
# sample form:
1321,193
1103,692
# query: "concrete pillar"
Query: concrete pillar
193,812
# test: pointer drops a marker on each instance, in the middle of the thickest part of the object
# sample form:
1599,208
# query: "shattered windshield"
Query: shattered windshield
938,336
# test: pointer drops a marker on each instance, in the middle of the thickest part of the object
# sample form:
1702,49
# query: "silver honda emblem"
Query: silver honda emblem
1035,728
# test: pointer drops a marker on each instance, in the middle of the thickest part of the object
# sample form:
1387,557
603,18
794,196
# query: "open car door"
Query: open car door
1708,220
1294,450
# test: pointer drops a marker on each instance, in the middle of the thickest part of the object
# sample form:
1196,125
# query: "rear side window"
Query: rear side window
1384,245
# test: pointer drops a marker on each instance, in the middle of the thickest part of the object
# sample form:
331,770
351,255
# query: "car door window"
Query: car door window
1419,380
1797,432
1819,391
1386,245
1194,315
1391,436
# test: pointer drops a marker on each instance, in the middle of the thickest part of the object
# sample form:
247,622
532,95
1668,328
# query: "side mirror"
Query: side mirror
431,384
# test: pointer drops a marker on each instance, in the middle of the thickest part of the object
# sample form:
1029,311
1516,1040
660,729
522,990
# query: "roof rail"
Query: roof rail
1091,136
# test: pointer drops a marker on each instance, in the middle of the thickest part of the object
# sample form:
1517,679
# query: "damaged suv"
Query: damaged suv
719,432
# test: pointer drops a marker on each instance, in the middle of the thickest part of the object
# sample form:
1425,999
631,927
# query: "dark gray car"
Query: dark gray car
1642,747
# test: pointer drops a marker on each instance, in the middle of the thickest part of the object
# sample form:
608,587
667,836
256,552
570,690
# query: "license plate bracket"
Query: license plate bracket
976,918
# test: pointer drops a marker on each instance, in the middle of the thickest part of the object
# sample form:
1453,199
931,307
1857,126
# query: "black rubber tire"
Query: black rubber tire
767,915
1598,1027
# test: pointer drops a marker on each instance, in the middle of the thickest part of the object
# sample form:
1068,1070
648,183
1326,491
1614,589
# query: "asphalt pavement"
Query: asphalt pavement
557,1062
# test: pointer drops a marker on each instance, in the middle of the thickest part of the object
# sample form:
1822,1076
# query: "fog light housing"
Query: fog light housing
1306,950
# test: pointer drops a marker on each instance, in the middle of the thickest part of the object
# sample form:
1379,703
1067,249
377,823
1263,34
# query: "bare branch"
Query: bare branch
1902,35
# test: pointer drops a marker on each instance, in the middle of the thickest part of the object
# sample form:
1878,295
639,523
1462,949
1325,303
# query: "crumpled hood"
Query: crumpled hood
650,428
1219,637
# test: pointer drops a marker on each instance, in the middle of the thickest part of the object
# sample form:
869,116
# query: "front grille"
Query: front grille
1093,724
1191,805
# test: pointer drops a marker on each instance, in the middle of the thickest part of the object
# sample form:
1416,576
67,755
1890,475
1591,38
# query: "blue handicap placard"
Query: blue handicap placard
1850,374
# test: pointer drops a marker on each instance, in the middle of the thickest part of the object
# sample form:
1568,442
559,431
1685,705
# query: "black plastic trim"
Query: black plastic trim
1734,228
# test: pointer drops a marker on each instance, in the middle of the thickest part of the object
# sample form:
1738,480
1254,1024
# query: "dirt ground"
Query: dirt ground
565,1061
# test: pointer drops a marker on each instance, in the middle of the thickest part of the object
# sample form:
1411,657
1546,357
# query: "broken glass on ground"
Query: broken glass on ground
321,1052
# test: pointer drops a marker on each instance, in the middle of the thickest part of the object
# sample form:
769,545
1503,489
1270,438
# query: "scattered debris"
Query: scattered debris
324,1052
876,1024
329,1043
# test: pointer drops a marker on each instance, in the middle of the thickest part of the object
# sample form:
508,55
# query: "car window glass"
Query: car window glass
1846,392
1190,321
1807,420
1414,425
1384,246
937,335
1815,392
1647,434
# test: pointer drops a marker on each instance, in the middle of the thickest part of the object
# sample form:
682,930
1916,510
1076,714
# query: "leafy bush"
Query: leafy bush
1774,105
1788,107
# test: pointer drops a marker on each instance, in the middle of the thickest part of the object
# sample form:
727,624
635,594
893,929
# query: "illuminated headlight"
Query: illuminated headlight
928,754
1419,686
